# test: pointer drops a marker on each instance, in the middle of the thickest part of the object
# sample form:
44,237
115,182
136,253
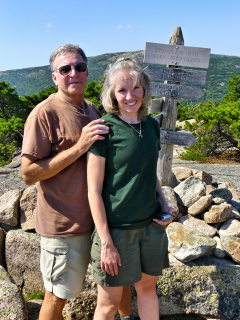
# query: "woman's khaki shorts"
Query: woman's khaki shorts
141,251
64,263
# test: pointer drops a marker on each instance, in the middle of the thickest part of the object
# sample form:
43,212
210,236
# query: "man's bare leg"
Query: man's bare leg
52,307
125,307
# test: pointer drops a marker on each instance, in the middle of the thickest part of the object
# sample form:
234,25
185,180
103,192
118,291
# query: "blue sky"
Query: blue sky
32,29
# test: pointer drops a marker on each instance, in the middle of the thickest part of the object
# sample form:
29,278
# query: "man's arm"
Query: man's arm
34,170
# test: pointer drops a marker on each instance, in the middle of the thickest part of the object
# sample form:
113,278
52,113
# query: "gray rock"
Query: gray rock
187,245
16,161
203,176
10,180
198,225
203,203
230,228
174,181
33,308
204,261
218,213
23,260
189,191
235,204
205,290
209,188
219,252
28,207
231,245
9,207
218,200
171,200
12,305
182,173
235,213
225,185
222,193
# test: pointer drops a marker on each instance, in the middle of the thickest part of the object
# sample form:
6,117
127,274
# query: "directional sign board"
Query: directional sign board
176,91
176,74
178,138
176,55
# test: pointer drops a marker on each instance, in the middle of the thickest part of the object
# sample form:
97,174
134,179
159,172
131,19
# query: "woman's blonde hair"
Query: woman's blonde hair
108,99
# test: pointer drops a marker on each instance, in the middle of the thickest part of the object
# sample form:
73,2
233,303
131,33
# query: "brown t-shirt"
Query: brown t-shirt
62,205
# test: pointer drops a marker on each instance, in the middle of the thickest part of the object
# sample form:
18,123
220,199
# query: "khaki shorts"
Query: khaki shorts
141,250
63,263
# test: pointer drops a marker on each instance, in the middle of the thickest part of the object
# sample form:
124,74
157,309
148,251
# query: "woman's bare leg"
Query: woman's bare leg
107,303
148,306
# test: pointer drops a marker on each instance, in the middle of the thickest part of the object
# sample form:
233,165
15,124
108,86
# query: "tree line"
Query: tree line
217,125
15,109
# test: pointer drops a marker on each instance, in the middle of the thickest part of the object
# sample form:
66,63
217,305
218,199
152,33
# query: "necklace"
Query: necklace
138,132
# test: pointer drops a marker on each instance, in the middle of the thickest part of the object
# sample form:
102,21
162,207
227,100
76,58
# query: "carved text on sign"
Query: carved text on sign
176,74
176,91
176,55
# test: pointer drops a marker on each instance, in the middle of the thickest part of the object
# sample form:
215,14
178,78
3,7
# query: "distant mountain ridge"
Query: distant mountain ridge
33,80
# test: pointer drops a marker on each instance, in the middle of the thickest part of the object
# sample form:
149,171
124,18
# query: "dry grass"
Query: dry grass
227,157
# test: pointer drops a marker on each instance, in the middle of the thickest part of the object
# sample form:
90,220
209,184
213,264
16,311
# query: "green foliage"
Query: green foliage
14,111
29,81
233,93
38,295
10,103
10,138
217,125
93,93
35,99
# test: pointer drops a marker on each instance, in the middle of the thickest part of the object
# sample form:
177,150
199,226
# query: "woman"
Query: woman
129,245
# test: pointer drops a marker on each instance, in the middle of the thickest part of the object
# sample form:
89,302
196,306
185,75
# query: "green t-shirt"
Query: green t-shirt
129,187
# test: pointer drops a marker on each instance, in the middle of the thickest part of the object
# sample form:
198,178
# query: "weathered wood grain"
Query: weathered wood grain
169,111
155,105
176,55
178,138
176,74
176,91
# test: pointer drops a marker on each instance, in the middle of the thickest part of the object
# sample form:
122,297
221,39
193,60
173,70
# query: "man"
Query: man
57,135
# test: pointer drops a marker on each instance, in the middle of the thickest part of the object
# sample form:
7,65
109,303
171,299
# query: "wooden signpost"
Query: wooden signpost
176,91
176,74
175,55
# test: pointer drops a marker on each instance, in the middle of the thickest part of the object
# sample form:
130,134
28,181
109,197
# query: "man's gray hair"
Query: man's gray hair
64,49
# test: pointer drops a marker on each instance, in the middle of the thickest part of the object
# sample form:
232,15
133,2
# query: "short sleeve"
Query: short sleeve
36,138
100,147
156,126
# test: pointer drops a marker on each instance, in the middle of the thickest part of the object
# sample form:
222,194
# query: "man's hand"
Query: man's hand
90,133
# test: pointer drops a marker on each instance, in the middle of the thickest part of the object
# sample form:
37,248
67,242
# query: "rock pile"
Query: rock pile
204,252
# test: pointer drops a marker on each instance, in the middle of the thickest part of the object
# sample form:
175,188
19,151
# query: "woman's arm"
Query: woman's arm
164,204
110,258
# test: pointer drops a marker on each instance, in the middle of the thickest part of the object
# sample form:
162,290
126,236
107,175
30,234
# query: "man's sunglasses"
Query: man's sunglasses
79,67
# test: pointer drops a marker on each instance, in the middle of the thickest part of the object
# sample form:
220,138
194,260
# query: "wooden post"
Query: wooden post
169,118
